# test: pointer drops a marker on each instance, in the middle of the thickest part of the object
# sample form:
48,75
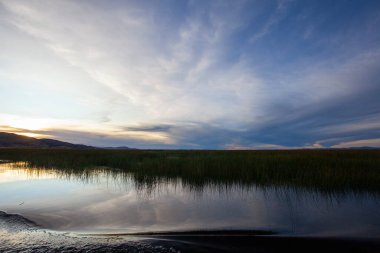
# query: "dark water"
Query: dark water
66,210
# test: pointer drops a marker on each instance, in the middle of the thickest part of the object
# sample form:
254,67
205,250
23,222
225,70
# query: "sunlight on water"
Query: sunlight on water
12,175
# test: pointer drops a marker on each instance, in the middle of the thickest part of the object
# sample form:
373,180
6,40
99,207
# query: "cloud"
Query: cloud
359,143
278,14
118,49
85,132
150,128
186,75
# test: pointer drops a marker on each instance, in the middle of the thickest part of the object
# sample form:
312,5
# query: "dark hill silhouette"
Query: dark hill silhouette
9,140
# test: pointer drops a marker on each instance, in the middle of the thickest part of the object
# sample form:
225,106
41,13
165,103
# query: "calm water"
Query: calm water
113,202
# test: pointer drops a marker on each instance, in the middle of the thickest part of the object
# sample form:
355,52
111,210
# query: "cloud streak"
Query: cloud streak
192,75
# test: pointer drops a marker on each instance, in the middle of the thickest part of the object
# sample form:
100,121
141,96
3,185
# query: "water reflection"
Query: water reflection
114,201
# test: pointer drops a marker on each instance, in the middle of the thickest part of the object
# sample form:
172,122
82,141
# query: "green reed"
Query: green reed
321,170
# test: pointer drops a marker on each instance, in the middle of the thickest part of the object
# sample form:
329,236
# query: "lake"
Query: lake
100,203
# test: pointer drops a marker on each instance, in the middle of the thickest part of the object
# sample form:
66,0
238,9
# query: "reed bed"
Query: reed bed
321,170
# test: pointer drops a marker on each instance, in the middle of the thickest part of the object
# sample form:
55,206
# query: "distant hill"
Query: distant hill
119,148
8,140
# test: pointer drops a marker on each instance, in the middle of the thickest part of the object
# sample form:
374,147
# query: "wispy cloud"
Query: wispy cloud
359,143
278,14
118,50
184,74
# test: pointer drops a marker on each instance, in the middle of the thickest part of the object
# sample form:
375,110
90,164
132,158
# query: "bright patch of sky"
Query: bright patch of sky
192,74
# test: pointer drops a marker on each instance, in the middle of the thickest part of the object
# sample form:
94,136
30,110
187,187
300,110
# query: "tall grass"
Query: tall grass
322,170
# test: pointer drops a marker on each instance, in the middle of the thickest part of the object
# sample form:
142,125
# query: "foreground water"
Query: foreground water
56,206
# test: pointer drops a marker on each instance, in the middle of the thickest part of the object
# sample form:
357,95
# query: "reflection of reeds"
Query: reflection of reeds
322,170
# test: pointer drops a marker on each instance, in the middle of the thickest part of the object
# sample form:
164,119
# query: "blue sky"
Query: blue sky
192,74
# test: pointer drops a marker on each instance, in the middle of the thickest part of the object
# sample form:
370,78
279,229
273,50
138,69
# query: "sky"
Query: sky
192,74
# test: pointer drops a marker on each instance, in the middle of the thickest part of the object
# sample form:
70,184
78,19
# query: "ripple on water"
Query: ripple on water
18,234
